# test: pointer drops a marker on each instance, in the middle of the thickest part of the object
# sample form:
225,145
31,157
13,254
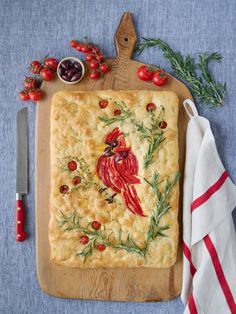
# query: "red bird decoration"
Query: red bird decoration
117,167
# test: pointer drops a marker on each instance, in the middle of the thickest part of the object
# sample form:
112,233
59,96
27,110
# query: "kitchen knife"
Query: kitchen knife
21,171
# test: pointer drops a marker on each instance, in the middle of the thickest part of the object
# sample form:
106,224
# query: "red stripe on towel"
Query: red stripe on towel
192,305
212,190
220,274
188,255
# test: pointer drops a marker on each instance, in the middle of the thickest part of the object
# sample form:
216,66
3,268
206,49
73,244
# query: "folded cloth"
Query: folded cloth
209,238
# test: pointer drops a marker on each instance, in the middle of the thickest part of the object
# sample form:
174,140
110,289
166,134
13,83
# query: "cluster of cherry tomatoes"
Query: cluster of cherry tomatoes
84,239
42,71
149,73
98,68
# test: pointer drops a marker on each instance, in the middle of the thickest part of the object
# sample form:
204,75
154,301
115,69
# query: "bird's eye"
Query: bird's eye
114,144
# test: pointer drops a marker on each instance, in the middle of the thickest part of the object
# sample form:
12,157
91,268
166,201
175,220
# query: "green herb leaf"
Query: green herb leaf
152,147
197,75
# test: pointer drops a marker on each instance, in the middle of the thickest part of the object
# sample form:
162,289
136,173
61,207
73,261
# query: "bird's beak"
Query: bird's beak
100,148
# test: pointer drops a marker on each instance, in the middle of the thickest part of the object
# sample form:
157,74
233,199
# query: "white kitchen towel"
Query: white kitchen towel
209,238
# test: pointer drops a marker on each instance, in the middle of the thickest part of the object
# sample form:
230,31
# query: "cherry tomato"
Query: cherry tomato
76,180
105,68
100,247
100,58
72,165
36,94
96,225
85,48
94,75
51,63
151,106
96,49
90,57
84,239
73,43
145,72
47,74
31,83
24,95
35,66
117,112
163,124
103,103
160,78
79,47
94,64
64,189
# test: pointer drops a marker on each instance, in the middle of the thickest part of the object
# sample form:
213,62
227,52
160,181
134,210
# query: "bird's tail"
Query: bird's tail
132,200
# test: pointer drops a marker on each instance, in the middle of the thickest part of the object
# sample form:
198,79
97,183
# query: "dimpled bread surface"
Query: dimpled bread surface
78,134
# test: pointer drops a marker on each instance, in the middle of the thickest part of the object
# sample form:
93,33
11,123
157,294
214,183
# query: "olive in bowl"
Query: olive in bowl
70,70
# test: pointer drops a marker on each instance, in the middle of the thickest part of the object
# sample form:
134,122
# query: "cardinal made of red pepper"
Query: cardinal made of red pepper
117,167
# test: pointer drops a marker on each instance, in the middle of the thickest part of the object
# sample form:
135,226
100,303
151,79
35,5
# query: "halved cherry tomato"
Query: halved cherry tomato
151,106
72,165
24,95
163,124
35,94
76,180
160,78
84,239
64,189
103,103
100,247
96,225
145,72
117,112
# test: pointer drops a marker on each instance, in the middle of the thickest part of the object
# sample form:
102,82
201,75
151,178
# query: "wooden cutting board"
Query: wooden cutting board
140,284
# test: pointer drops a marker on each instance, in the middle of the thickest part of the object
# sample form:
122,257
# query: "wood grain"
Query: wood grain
139,284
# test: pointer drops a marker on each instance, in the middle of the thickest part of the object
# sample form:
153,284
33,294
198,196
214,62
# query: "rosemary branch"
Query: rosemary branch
156,141
162,206
72,222
197,75
125,113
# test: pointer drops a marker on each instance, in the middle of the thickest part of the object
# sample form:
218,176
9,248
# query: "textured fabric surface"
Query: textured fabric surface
31,29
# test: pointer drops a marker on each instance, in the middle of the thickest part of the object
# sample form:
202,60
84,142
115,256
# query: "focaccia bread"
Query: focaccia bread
114,179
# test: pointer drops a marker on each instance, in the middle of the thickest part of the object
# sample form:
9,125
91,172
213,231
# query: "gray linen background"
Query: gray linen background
30,30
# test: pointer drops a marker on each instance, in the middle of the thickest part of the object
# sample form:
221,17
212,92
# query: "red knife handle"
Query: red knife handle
20,221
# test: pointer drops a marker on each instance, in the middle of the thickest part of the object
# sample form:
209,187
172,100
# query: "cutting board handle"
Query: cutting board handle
125,37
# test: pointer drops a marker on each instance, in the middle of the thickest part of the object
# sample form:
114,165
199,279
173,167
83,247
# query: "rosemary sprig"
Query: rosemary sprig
162,206
197,75
72,222
125,114
156,141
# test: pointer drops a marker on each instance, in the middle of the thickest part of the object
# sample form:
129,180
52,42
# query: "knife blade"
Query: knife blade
21,171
